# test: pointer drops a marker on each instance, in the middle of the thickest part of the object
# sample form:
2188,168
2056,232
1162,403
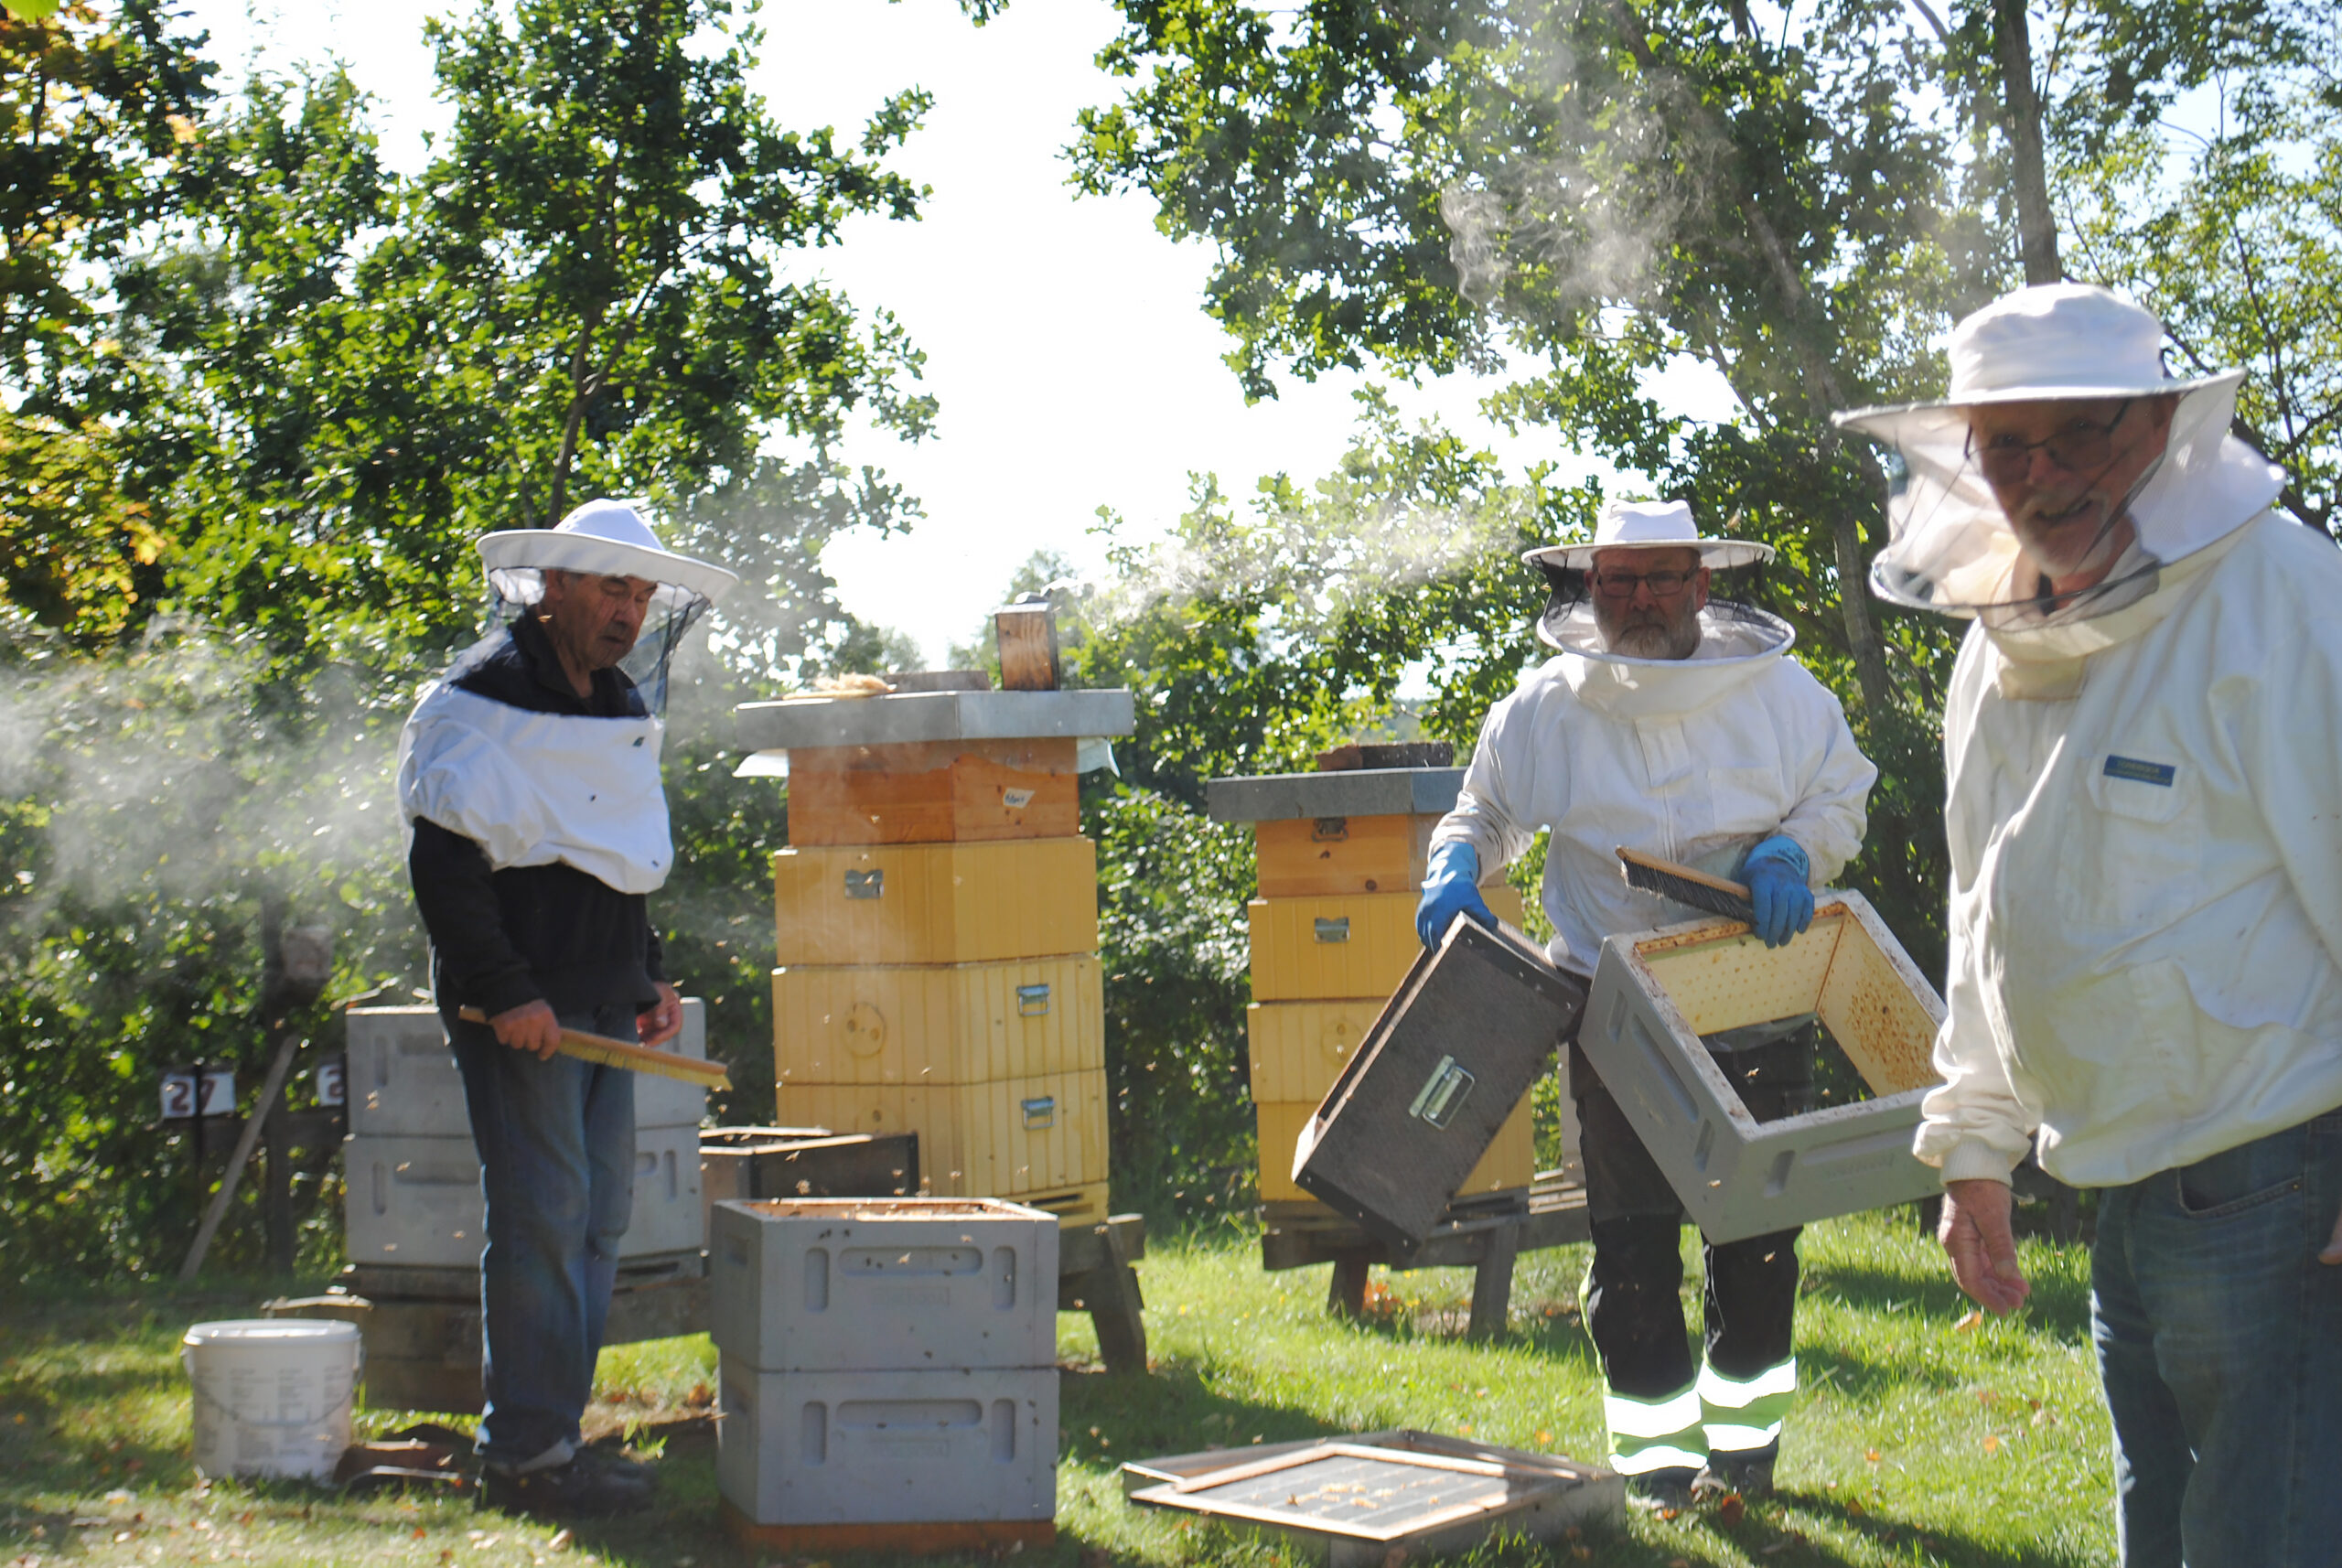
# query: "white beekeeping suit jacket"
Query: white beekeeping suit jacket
1693,760
2145,820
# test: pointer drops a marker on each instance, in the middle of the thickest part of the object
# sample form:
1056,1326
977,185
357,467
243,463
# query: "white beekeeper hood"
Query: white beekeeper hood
1729,631
1952,549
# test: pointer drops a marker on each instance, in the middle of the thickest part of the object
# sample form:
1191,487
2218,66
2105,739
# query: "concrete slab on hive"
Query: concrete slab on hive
931,715
1656,992
1357,792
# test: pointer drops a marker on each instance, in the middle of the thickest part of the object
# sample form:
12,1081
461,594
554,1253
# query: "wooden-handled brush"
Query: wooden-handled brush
607,1052
1685,886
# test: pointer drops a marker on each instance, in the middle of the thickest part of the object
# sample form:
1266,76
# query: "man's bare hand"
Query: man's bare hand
1975,1233
661,1022
2332,1252
530,1026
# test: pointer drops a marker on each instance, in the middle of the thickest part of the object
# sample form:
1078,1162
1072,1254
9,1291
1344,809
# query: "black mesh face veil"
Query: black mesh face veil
1568,618
674,611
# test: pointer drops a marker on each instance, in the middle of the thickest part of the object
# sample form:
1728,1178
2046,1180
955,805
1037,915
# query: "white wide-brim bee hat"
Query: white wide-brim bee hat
1952,548
603,539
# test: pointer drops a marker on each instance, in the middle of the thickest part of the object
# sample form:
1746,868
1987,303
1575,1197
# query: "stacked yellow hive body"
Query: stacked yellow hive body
940,976
1333,934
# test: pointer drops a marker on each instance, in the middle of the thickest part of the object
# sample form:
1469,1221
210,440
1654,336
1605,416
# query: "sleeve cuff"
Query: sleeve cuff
1973,1159
508,992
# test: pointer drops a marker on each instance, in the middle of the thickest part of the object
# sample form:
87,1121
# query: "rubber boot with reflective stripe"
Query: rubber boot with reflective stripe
1653,1434
1744,1415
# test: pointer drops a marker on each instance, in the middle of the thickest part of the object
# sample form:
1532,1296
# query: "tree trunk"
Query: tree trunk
2037,225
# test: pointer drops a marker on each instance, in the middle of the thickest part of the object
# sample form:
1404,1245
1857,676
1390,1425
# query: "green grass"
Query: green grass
1914,1441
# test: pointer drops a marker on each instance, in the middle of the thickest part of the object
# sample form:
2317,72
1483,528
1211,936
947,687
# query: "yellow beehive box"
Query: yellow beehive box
1309,949
1003,1139
935,1026
935,903
1299,1049
1305,857
1510,1163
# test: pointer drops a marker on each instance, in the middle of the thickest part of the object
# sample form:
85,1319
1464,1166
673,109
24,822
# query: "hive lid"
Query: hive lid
1353,792
907,716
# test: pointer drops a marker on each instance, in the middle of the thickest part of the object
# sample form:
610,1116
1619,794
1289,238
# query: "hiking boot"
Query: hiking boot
580,1489
1751,1476
1659,1490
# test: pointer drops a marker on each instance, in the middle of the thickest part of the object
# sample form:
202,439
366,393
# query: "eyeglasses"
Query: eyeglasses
2081,444
1622,584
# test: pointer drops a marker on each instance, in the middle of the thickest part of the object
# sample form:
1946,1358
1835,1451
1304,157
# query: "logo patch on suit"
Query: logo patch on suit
2139,772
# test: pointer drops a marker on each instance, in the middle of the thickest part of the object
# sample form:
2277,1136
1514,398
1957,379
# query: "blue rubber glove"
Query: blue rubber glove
1451,887
1777,871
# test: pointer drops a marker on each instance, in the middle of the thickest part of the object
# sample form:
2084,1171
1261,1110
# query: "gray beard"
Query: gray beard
1662,641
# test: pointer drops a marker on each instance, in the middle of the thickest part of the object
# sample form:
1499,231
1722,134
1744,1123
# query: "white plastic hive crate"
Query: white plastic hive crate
932,1447
415,1202
1656,992
840,1284
403,1082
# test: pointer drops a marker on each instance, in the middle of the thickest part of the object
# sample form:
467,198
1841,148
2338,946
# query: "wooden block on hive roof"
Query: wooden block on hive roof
933,792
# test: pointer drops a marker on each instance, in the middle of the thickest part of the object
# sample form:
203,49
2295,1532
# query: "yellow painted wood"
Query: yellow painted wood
1332,948
937,1025
935,903
1299,1049
1306,857
1510,1162
1846,966
1001,1139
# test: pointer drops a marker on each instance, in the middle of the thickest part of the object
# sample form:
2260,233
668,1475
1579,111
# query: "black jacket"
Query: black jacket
503,939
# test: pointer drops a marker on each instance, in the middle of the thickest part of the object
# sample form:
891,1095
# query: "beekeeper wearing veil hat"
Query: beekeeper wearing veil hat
2143,746
1670,720
529,781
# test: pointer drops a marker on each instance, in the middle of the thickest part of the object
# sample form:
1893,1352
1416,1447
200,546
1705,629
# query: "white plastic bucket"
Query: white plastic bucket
272,1395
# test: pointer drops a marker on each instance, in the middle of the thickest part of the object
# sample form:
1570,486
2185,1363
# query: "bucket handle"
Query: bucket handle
356,1376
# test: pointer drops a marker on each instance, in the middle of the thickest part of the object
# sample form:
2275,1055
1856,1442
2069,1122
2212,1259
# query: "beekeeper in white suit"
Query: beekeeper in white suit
529,781
2144,742
1676,723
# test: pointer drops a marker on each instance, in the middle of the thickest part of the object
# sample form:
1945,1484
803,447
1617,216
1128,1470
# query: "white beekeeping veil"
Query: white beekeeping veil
609,538
1952,548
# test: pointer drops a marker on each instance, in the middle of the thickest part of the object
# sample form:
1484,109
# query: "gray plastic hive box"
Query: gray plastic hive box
961,1446
1656,992
1355,792
403,1083
414,1202
908,716
847,1285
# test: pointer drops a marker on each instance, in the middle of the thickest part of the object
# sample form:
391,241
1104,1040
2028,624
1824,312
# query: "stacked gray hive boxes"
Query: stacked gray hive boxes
887,1361
412,1194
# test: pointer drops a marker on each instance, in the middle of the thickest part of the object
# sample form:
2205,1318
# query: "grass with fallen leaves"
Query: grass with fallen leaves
1922,1436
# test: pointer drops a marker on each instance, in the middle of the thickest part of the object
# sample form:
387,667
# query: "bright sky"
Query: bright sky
1065,338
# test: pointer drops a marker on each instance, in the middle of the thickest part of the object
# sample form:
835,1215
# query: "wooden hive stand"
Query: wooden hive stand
935,925
1341,854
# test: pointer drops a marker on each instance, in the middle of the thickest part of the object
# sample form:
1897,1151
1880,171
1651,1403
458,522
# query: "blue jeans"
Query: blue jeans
556,1152
2219,1335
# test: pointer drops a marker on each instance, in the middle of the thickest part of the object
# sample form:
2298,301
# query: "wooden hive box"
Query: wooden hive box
942,903
1475,1023
933,792
1357,945
1040,1140
937,1025
1656,992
